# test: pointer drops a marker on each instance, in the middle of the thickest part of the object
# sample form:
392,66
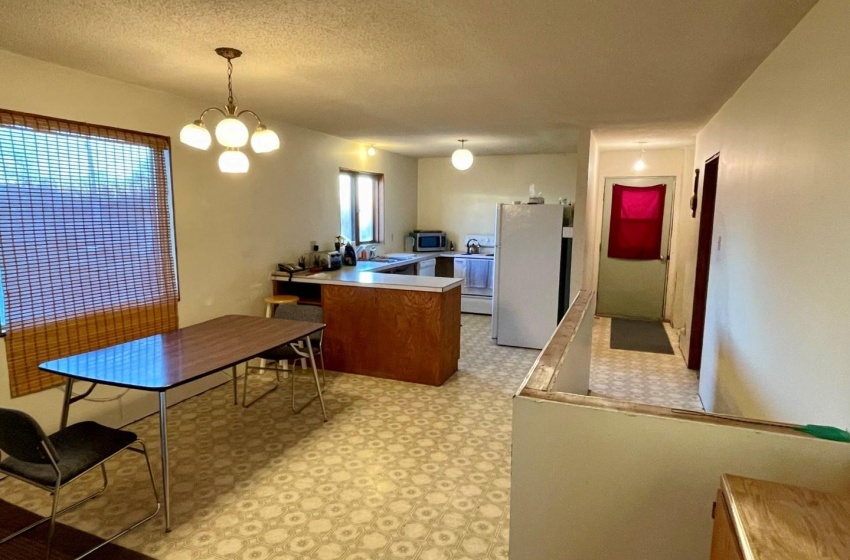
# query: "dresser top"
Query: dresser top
782,522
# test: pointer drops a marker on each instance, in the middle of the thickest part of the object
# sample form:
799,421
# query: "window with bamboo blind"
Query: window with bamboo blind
86,245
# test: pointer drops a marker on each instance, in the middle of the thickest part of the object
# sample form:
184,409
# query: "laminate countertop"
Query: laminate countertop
374,274
780,522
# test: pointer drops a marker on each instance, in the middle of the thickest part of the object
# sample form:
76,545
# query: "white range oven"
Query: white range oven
476,270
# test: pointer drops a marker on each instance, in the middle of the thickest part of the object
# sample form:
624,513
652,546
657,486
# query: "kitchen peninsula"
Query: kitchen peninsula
394,326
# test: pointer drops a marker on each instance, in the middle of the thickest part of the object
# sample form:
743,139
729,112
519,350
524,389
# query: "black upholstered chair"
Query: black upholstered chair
284,358
53,462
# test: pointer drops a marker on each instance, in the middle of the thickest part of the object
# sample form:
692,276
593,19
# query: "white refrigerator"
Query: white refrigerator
532,276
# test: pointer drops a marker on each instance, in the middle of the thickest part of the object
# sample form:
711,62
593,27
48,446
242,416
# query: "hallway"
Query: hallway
641,377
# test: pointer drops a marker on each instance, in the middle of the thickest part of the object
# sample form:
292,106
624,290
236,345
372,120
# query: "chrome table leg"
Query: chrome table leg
163,442
66,403
235,392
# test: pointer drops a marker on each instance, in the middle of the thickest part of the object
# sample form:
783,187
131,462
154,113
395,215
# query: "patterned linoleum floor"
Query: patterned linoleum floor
641,377
401,471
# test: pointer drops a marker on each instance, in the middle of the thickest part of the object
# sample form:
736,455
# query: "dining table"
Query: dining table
164,361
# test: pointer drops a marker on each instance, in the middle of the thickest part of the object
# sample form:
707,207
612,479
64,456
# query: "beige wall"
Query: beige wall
578,268
685,232
231,230
589,483
664,162
464,202
593,218
778,320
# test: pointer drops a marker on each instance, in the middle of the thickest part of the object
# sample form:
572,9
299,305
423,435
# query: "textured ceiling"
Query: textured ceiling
413,76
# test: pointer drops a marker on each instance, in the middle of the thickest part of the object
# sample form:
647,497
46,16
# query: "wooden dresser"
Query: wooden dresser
760,520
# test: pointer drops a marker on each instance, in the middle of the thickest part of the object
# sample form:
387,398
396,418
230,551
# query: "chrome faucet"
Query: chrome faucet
472,247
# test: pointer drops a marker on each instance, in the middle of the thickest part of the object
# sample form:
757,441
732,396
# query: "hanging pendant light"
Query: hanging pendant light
640,165
264,140
462,158
230,132
196,135
232,160
371,151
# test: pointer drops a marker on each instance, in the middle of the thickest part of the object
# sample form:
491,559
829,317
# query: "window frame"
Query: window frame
171,210
377,205
130,318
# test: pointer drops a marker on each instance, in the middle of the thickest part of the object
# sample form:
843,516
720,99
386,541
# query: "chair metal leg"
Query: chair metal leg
53,515
263,367
58,485
143,451
63,510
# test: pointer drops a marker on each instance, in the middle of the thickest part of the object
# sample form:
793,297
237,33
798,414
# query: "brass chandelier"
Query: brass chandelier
230,132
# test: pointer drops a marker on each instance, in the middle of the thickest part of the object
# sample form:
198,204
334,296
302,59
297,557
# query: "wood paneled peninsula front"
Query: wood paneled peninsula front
395,326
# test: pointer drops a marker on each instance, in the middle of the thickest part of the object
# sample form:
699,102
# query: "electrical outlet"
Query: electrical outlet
392,237
719,242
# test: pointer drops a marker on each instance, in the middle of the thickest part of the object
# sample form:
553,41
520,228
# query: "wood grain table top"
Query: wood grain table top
163,361
781,522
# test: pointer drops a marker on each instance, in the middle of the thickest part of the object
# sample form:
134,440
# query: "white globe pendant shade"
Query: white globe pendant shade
233,161
196,135
264,140
371,151
462,159
231,133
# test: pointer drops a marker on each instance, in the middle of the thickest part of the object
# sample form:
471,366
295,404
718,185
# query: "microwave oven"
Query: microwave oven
429,241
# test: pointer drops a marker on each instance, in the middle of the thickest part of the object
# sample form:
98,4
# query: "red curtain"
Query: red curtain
637,214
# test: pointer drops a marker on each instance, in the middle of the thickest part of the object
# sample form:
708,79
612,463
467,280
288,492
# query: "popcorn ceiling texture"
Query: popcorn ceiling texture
413,76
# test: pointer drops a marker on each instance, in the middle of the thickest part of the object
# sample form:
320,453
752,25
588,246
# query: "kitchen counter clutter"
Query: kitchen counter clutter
394,326
761,520
376,274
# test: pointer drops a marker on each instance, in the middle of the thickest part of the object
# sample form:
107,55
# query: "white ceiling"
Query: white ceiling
413,76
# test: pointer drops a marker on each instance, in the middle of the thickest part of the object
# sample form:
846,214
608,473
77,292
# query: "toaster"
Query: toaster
330,260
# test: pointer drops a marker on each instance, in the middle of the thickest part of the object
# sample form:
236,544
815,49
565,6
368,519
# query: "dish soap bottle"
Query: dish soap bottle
349,258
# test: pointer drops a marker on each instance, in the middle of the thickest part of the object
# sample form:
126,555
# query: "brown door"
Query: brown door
706,230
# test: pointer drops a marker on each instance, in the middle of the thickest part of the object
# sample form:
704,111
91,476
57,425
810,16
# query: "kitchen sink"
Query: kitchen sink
385,259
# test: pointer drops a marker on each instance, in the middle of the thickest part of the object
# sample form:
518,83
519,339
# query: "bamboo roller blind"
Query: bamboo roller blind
85,241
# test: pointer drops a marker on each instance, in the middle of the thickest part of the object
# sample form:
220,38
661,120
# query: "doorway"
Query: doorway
634,286
704,242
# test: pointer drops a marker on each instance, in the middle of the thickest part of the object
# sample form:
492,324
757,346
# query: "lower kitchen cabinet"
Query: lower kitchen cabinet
761,520
406,335
724,543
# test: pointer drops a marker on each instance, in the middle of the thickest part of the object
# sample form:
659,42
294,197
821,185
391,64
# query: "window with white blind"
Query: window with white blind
87,252
361,206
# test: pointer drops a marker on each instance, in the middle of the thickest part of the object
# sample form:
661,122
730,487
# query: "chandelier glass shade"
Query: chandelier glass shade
462,158
232,160
196,135
264,140
230,132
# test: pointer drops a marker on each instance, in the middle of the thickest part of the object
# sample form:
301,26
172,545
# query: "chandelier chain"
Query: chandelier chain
229,82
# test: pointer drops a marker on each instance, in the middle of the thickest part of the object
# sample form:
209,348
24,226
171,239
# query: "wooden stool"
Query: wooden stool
273,301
